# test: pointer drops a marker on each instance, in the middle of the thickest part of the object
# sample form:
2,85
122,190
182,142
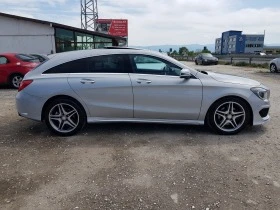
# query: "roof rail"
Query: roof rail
124,48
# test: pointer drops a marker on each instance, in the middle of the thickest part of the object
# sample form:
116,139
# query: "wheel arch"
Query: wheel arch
60,97
273,64
231,96
13,74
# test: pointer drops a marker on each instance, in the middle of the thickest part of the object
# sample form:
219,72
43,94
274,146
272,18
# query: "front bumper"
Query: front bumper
210,62
260,110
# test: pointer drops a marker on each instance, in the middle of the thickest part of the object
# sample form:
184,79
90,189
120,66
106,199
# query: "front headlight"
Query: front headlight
261,93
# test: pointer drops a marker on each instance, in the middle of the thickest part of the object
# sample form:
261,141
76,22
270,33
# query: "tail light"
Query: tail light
24,84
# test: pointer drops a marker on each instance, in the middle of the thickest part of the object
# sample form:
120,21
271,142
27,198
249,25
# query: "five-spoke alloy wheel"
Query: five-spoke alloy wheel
16,80
65,117
229,115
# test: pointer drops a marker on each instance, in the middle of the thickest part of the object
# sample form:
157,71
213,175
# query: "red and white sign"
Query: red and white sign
115,27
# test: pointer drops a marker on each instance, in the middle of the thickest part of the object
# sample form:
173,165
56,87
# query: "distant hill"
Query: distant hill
165,48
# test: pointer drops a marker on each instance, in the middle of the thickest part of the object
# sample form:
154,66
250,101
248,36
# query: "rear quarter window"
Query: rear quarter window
76,66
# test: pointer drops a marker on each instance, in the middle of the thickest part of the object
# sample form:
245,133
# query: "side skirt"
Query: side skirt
139,120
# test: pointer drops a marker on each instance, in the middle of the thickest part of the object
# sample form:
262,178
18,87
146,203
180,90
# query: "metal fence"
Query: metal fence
251,59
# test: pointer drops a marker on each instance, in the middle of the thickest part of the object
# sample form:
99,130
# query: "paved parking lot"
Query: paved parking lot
141,166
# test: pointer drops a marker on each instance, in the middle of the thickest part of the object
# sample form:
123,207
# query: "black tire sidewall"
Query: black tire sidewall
82,116
210,115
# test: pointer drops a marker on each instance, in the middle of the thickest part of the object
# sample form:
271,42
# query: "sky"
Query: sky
160,22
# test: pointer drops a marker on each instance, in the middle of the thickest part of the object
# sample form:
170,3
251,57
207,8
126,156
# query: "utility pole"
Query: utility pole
89,14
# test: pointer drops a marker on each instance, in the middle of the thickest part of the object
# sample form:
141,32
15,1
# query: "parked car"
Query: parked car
260,53
14,66
40,57
126,85
205,58
274,65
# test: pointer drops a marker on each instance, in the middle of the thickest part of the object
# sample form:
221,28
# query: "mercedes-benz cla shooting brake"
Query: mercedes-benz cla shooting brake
130,85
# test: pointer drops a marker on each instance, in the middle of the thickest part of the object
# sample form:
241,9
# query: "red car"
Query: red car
14,66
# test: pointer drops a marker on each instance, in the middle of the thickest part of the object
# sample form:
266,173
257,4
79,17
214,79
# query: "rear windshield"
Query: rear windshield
27,58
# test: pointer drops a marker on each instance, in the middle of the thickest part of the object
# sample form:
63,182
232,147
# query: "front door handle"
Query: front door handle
88,81
143,80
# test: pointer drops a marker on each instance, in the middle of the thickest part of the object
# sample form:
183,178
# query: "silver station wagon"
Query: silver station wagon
134,85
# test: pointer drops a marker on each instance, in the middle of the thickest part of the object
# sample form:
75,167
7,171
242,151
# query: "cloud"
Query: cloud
163,22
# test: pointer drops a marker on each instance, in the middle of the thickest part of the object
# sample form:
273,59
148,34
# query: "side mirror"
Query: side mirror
185,73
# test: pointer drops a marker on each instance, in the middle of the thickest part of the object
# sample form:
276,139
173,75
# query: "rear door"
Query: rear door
106,87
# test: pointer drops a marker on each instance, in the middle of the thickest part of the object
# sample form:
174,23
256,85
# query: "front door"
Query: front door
160,93
4,66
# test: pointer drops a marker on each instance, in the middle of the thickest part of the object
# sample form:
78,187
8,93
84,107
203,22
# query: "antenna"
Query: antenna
89,14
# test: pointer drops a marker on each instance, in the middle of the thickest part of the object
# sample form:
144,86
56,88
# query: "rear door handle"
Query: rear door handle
143,80
88,81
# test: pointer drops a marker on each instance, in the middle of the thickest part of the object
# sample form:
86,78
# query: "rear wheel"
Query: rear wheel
228,116
15,80
65,117
273,68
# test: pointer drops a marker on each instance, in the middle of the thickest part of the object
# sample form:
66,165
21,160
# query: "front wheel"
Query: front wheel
228,116
15,80
65,117
273,68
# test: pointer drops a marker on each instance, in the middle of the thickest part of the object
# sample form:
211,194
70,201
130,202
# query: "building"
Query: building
234,42
26,35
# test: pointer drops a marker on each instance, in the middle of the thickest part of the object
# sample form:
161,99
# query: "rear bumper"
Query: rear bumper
29,106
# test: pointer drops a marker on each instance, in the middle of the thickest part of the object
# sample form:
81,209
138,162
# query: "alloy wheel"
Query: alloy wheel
63,118
229,116
273,68
16,80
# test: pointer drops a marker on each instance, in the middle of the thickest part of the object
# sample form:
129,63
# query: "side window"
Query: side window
76,66
108,64
144,64
3,60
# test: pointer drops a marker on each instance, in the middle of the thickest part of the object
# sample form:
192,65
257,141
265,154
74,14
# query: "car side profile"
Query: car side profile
274,65
129,85
14,66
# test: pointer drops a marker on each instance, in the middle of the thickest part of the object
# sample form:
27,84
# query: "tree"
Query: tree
191,53
170,50
183,51
205,50
174,52
159,50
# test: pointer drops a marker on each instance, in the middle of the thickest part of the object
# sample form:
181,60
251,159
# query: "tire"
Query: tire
15,80
228,116
196,63
64,117
273,68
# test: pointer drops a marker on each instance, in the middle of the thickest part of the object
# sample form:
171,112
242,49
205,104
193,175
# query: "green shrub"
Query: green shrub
241,64
245,64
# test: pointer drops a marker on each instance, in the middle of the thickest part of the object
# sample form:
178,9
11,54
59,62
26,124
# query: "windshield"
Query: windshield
207,55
